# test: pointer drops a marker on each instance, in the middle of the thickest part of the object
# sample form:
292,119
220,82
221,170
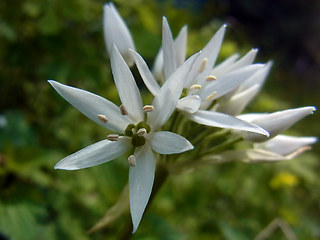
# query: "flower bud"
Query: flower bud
284,145
116,32
274,123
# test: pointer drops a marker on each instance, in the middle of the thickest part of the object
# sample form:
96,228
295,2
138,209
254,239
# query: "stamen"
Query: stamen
113,137
202,65
123,110
132,160
148,108
211,96
103,118
195,86
210,78
141,132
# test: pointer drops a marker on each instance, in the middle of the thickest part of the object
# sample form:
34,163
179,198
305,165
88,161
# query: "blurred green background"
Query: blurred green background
63,40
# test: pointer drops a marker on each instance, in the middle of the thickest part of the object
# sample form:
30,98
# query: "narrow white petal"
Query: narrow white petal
244,61
215,119
157,68
126,85
257,79
180,44
284,145
92,105
165,102
145,73
189,104
116,32
165,142
222,67
210,52
169,51
229,82
237,102
141,178
276,122
94,154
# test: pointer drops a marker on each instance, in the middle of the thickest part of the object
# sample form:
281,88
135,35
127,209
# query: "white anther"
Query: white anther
141,132
123,110
202,65
210,78
148,108
132,160
195,86
103,118
113,137
211,96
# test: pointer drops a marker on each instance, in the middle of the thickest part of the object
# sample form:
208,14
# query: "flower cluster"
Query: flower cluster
193,96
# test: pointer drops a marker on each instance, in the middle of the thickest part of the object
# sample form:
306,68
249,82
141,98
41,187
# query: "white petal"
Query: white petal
276,122
238,102
126,85
145,73
94,154
169,51
222,67
229,82
244,61
165,142
180,45
157,68
165,102
116,32
284,145
215,119
141,179
189,104
92,105
257,79
210,52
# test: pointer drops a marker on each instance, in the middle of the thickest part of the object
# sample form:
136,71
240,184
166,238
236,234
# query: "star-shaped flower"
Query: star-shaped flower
136,124
201,88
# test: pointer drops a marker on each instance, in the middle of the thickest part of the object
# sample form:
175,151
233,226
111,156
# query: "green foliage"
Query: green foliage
63,40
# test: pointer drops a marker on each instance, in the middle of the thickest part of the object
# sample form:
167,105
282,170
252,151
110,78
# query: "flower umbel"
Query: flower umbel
206,96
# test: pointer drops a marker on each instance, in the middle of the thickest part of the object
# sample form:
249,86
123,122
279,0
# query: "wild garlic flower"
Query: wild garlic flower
199,86
136,126
116,32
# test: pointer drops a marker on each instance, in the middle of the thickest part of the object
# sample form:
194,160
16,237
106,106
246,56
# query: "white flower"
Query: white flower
276,122
286,145
129,121
199,91
116,32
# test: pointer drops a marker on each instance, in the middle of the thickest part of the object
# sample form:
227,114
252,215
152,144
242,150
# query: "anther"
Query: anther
148,108
123,110
211,96
210,78
203,65
141,132
132,160
113,137
103,118
195,86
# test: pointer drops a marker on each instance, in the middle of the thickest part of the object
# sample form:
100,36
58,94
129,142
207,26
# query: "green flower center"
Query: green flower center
132,131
